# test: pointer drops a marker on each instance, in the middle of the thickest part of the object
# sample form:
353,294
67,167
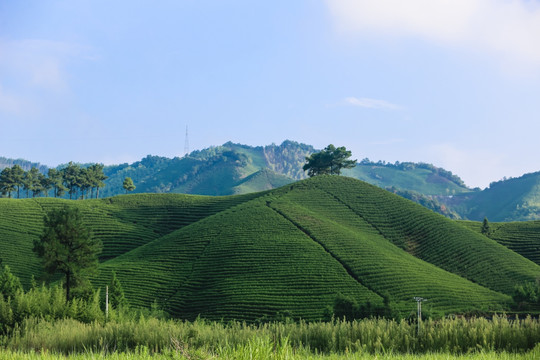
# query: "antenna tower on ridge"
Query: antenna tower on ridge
186,143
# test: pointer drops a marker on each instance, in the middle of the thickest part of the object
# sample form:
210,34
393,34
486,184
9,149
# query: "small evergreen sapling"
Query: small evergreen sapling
9,283
486,229
116,293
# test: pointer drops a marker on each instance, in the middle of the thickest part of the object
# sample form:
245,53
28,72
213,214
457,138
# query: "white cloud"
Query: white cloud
386,142
371,103
35,63
477,167
508,28
9,103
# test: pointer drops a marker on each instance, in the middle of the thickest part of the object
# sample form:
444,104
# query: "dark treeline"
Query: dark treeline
72,181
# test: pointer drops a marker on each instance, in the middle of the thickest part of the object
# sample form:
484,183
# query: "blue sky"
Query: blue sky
453,83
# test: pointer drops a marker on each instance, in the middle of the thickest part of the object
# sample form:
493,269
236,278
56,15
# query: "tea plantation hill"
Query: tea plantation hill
521,237
289,250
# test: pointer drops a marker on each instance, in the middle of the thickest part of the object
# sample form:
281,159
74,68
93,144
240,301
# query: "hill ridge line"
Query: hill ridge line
189,276
354,211
347,268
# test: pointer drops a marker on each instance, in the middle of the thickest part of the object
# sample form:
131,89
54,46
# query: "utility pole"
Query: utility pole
106,302
419,310
186,143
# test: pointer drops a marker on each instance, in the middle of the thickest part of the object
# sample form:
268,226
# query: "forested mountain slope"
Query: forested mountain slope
236,169
515,199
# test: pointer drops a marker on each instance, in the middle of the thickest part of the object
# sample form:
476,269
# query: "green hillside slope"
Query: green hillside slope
380,265
123,223
516,199
290,250
261,180
522,237
425,179
432,237
243,263
223,170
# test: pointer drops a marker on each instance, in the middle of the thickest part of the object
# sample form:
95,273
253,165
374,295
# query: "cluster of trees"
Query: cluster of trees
77,181
527,296
49,303
346,307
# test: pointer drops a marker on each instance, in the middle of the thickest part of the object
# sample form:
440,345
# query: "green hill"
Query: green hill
418,177
290,250
516,199
222,170
522,237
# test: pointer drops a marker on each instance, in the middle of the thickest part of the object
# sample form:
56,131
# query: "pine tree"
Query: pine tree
97,177
17,175
116,293
56,181
7,184
329,161
70,176
67,247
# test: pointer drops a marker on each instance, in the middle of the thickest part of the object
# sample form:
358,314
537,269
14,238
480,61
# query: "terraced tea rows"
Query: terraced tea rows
432,237
21,222
520,237
226,268
287,251
122,223
379,264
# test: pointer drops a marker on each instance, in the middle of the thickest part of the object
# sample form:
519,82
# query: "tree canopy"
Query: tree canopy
9,283
67,247
73,178
128,184
329,161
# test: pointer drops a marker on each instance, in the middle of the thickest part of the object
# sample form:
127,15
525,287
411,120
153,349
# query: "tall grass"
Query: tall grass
373,336
259,349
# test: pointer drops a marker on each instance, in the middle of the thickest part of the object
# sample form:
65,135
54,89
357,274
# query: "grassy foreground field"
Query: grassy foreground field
262,352
203,339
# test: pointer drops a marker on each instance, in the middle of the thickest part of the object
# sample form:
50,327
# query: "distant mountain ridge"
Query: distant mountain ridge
237,169
515,199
